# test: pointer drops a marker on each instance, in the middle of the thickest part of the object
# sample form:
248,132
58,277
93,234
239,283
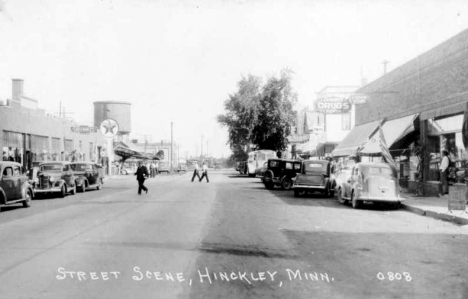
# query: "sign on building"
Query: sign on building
83,129
333,105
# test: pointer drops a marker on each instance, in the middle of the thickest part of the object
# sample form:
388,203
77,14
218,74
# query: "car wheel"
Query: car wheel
354,202
286,184
83,187
341,200
27,200
327,192
63,191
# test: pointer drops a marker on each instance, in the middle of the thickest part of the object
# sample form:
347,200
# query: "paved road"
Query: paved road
230,238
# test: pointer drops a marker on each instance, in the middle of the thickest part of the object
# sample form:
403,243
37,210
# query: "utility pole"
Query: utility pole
385,62
172,141
201,148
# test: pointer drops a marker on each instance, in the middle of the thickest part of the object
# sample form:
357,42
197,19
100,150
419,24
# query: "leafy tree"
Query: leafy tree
260,116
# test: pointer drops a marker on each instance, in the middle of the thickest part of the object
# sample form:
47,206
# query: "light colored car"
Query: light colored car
368,182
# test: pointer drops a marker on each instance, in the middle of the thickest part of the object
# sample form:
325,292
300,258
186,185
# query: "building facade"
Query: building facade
419,107
29,136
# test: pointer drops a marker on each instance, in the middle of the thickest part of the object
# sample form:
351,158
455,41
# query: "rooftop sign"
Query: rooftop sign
333,105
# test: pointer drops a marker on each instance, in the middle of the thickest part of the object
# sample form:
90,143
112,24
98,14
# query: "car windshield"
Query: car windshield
78,167
51,168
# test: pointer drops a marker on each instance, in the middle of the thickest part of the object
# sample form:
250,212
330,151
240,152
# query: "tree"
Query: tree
260,116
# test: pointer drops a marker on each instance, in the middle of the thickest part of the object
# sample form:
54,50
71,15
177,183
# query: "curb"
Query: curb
435,215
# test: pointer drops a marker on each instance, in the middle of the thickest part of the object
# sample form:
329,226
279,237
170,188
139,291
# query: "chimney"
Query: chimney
17,89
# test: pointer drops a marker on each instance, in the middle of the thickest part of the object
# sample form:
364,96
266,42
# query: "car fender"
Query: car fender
2,197
59,183
80,181
25,187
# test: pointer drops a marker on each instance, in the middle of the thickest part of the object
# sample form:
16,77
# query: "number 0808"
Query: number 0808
394,276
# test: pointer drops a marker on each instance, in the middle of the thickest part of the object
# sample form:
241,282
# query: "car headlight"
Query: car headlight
52,179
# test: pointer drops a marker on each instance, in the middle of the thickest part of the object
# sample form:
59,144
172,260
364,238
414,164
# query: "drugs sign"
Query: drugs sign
333,105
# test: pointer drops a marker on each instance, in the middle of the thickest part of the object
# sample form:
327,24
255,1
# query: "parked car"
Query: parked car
163,167
259,173
281,172
315,176
14,185
181,167
54,177
87,175
369,182
125,170
242,168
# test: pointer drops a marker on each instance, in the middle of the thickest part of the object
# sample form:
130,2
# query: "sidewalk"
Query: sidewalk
435,207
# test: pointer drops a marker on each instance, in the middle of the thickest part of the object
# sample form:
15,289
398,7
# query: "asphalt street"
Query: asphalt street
230,238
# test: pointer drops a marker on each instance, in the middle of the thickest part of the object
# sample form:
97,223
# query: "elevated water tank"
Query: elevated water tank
118,111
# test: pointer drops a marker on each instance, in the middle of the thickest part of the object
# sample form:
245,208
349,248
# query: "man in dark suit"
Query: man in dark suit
142,174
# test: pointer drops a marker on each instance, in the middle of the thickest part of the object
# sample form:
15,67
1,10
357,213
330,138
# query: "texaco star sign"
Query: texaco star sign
109,128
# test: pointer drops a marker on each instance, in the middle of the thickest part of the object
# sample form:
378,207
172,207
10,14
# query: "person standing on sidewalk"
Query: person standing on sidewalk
444,169
204,173
142,174
195,172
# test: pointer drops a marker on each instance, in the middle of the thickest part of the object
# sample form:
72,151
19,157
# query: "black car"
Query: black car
14,185
316,176
242,167
281,172
87,175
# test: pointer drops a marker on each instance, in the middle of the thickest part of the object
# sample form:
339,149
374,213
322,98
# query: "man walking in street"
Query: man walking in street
195,172
142,174
444,165
204,173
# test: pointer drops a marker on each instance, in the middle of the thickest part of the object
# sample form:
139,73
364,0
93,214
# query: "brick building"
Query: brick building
420,106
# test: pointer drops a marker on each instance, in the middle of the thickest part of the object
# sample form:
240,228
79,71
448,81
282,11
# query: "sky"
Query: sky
178,61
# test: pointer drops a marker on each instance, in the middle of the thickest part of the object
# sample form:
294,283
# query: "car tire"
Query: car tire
27,200
341,200
63,191
83,187
356,204
286,184
326,193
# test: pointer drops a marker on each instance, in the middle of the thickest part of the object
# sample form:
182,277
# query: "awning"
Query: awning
393,131
130,151
358,136
324,148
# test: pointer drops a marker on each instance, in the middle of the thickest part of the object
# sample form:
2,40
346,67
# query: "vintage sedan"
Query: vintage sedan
54,177
281,172
370,182
14,185
87,175
315,176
